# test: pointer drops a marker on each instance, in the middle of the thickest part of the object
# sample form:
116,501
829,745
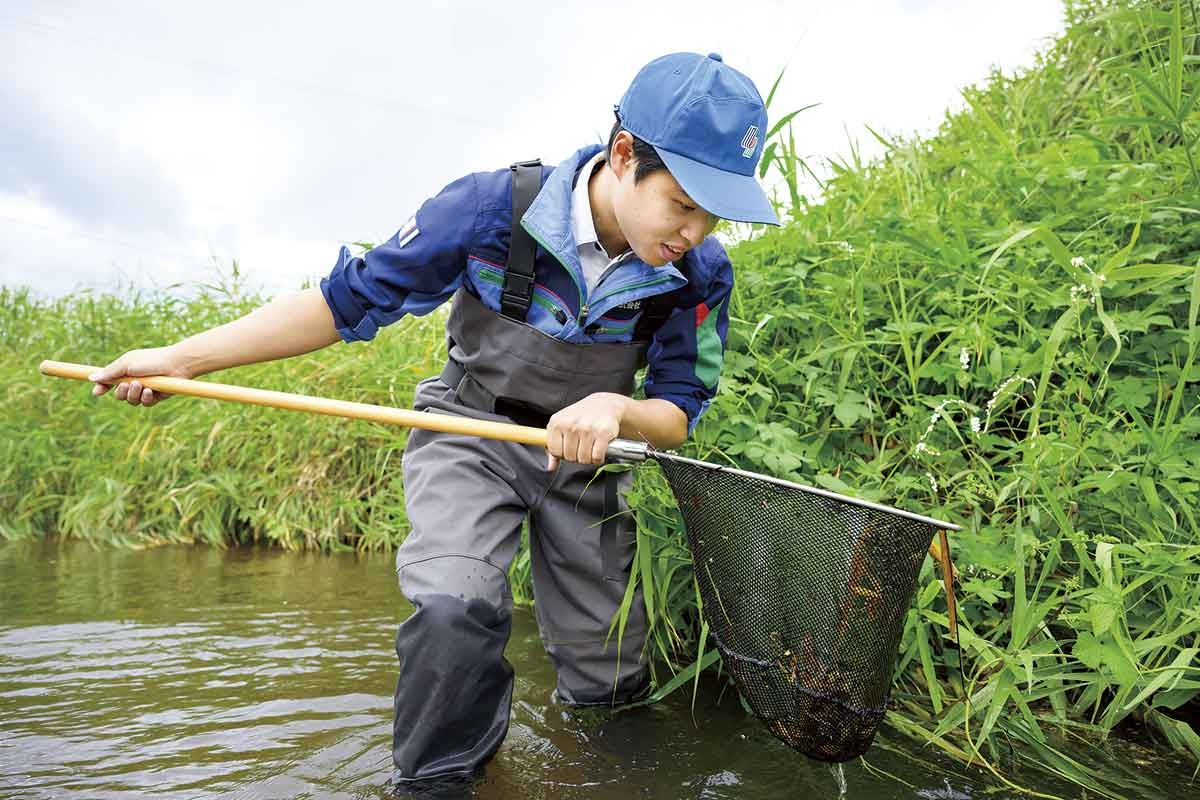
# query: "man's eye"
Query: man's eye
685,206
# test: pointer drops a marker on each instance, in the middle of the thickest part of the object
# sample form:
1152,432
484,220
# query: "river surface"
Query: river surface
189,672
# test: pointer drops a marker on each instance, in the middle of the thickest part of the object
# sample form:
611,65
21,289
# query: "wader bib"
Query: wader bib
466,499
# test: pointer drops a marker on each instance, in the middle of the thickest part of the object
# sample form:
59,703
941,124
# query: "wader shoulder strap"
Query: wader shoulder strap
517,292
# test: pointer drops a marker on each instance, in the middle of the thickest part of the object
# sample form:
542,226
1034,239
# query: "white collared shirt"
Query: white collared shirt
592,256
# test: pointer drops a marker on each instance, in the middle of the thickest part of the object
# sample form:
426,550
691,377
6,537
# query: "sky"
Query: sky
150,145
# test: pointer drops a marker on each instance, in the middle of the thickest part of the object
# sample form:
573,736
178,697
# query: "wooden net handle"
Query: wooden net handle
447,423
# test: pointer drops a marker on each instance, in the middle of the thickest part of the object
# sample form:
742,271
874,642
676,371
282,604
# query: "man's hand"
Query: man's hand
581,432
136,364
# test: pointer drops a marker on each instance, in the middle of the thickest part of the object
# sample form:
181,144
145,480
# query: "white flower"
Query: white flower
1000,389
975,424
1078,261
932,480
964,359
920,447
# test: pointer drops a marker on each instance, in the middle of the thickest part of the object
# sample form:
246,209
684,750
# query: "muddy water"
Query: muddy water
193,673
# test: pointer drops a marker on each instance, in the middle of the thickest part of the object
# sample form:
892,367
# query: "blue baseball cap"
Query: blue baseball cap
707,122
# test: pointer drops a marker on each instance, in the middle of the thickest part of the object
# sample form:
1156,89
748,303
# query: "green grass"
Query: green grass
193,470
996,325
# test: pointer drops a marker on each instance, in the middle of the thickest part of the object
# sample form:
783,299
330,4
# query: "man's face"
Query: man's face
659,220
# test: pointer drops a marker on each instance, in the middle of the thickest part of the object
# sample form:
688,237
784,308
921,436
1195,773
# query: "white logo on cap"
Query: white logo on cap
750,141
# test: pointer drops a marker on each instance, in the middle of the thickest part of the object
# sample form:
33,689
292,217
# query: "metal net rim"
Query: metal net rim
659,455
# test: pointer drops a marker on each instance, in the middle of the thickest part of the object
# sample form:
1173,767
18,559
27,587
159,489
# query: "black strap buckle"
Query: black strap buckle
517,293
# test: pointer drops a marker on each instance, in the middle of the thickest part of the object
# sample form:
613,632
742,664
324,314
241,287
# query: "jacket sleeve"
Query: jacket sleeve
684,359
413,272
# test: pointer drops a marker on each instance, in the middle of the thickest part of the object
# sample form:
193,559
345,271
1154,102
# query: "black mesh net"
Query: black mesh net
805,593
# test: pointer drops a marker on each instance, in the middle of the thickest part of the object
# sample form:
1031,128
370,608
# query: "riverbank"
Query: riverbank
996,326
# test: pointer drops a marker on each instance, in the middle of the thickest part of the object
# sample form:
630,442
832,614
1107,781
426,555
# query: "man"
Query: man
606,265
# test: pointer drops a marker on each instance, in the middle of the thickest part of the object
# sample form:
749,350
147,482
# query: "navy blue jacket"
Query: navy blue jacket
460,237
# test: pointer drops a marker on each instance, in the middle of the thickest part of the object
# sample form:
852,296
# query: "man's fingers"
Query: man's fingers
106,378
570,447
110,373
132,392
554,447
583,450
599,451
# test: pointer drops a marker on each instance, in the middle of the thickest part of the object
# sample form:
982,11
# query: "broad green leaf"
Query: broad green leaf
1184,661
851,408
1102,615
1115,659
1087,650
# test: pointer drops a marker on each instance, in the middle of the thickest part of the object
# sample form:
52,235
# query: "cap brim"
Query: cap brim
723,194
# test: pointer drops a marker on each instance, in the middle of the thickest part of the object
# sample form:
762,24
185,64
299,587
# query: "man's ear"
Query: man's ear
620,158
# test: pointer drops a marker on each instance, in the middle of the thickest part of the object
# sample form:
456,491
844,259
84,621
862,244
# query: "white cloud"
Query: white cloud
225,160
153,138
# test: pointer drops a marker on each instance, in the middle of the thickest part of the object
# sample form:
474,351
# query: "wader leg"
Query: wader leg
465,505
580,570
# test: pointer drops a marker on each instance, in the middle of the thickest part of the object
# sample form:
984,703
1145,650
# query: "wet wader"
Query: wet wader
466,499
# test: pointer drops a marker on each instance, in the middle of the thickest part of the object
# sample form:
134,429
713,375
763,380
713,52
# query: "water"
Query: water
194,673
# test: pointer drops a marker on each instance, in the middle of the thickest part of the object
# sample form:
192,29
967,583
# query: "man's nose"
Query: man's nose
692,233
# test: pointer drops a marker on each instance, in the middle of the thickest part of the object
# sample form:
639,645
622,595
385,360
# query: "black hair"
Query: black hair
648,161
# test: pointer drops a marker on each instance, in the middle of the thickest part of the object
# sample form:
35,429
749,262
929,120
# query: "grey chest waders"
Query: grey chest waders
467,498
804,590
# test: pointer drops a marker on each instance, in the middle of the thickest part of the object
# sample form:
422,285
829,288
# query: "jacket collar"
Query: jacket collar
583,227
548,220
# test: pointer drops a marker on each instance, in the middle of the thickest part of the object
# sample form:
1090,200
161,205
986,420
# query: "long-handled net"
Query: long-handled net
805,590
